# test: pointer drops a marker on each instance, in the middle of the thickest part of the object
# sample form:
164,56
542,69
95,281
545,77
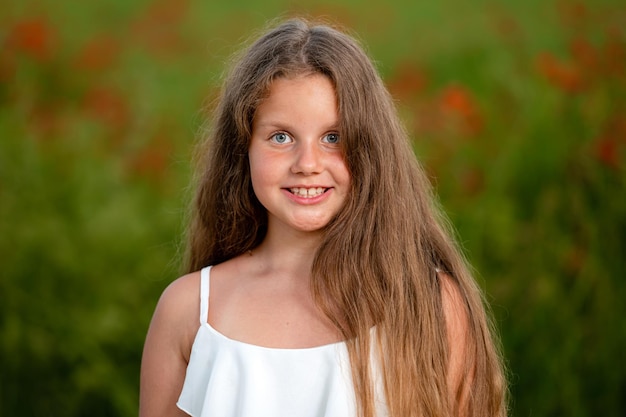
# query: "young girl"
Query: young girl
323,279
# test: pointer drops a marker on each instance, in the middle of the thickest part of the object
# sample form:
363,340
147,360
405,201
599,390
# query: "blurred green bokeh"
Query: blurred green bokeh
517,109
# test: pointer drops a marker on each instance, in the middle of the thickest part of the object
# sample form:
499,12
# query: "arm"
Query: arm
460,359
167,348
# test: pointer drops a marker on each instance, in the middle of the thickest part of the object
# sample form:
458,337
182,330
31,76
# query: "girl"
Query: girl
324,277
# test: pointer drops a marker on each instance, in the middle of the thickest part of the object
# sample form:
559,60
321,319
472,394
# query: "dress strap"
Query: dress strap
204,295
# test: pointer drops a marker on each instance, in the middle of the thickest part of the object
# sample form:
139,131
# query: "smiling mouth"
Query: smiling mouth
307,192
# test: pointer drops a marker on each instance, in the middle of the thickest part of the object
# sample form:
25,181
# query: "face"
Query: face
296,163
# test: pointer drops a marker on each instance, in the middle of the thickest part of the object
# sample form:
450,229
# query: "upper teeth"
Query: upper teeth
307,192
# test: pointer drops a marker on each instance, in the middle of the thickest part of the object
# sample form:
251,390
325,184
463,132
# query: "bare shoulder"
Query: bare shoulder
179,306
460,357
453,303
180,294
168,346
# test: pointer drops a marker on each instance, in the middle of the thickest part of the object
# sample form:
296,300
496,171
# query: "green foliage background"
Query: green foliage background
517,109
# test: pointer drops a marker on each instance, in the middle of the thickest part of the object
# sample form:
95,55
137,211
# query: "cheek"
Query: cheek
256,174
342,172
261,176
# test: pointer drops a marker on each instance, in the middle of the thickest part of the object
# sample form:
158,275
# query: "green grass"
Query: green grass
516,110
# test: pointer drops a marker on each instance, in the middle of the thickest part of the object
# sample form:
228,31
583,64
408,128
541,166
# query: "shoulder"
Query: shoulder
461,360
453,304
168,346
185,288
178,309
456,315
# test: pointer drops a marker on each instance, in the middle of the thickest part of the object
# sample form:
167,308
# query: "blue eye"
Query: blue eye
331,138
281,137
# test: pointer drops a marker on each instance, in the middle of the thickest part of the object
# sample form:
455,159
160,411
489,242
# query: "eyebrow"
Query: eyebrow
286,126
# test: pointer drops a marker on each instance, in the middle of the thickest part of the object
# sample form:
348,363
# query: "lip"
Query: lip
307,200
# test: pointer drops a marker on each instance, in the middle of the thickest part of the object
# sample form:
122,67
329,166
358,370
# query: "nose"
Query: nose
308,158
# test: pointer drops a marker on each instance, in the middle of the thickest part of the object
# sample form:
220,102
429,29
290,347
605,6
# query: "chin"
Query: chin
311,227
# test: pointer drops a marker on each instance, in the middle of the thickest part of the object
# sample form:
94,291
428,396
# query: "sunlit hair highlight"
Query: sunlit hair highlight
376,267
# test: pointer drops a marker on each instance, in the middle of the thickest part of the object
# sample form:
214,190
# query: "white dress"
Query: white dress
228,378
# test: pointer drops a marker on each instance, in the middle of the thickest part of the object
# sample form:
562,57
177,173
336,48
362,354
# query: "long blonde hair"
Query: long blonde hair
377,263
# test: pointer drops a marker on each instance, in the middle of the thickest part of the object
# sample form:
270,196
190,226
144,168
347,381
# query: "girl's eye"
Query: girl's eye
281,138
331,138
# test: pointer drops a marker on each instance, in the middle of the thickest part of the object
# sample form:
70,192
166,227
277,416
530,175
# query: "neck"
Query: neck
290,253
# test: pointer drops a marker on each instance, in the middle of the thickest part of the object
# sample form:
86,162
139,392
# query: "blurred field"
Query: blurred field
517,109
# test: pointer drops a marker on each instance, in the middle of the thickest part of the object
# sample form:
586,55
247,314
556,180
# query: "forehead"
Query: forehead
300,81
301,97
